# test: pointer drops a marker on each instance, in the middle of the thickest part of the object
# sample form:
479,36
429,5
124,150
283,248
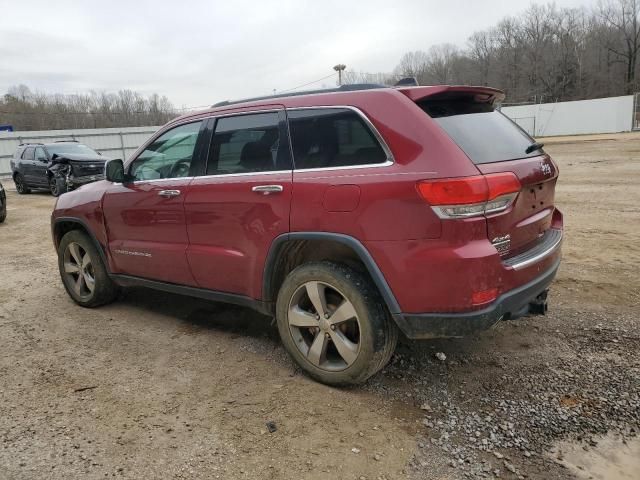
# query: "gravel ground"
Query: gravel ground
158,386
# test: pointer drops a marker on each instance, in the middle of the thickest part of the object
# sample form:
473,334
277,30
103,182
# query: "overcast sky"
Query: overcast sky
200,52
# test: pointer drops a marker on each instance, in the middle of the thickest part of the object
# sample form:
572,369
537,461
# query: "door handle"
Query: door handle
267,189
169,193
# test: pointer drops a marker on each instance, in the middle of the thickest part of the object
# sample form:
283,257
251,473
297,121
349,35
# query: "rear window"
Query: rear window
484,134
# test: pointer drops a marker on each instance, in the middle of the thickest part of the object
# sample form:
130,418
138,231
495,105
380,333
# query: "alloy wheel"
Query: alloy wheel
19,184
78,270
53,186
324,326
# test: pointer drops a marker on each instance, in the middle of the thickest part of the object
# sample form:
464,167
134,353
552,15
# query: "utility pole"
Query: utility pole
339,68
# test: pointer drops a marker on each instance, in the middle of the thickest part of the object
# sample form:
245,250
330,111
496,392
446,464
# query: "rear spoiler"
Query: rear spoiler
481,94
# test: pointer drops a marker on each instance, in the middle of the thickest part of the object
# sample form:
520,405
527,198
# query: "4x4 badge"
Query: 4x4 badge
546,168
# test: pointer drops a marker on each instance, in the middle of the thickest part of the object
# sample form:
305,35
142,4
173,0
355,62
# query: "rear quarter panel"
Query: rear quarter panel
389,207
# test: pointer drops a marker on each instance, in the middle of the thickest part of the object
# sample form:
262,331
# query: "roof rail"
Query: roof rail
342,88
30,143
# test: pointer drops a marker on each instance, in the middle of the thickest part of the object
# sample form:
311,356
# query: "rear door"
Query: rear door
145,218
496,144
241,203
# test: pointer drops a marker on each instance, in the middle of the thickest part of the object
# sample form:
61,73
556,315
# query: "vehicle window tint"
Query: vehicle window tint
332,138
169,155
484,134
245,144
29,153
40,155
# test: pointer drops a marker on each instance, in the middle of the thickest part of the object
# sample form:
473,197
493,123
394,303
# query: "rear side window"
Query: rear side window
325,138
29,153
247,144
484,134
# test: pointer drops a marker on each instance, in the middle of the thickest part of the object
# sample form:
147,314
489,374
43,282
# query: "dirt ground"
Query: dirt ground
160,386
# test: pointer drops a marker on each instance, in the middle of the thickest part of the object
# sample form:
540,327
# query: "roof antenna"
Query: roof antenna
407,82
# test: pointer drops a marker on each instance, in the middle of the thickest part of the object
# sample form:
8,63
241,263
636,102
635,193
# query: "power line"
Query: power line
307,84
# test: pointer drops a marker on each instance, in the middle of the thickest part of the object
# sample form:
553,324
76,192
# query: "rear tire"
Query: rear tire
21,186
83,272
351,339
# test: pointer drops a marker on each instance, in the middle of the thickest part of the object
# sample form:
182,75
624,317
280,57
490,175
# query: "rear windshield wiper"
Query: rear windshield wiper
533,147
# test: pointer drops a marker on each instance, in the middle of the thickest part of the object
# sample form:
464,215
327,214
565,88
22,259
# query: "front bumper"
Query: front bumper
510,304
79,181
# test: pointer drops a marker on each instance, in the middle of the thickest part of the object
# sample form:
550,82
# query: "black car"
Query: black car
3,204
57,167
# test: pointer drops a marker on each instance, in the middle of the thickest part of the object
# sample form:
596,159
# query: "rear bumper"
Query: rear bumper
509,305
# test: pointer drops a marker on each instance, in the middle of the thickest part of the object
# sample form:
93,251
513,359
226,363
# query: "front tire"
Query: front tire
334,324
83,272
57,186
21,186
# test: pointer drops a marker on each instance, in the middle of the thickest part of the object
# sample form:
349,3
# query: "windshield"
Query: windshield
484,134
72,148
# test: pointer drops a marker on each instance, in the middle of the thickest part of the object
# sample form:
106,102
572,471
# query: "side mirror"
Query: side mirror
114,170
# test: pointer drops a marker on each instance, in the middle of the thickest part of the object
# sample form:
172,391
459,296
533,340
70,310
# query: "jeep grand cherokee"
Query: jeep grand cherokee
350,215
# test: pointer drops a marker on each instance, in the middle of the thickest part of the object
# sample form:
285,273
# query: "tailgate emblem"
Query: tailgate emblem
546,168
502,244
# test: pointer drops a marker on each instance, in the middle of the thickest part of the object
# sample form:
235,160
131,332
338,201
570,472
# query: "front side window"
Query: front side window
325,138
246,144
40,155
169,155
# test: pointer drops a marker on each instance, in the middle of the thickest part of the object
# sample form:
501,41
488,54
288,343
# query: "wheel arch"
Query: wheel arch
293,249
64,225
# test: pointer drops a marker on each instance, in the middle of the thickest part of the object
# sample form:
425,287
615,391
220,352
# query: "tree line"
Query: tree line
27,110
546,54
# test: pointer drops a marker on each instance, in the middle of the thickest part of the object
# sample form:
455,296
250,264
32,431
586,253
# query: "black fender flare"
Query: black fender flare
87,230
351,242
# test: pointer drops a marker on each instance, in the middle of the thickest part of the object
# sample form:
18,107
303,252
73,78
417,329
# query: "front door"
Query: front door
27,165
145,216
241,203
40,167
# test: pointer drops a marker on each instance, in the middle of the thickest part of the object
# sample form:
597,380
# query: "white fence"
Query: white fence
602,115
113,142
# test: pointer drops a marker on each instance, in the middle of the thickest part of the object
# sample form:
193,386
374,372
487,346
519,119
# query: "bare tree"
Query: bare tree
623,17
26,110
544,54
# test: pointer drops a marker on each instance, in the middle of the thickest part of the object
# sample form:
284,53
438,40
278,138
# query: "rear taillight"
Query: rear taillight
466,197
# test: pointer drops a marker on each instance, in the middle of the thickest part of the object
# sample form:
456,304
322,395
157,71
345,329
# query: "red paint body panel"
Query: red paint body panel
147,234
218,233
231,229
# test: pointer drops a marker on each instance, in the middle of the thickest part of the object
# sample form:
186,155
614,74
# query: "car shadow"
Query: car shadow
195,315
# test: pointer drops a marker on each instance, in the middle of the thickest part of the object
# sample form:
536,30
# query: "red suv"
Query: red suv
348,214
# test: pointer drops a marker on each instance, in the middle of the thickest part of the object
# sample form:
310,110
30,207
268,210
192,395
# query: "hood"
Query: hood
81,158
